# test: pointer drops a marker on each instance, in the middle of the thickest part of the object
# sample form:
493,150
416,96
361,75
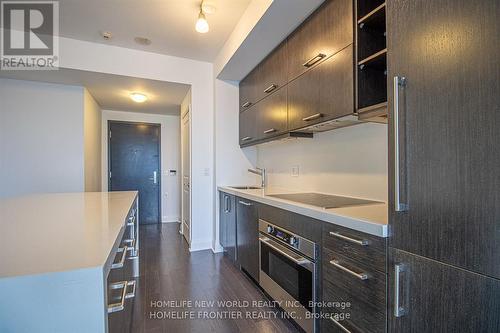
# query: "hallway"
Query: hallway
172,276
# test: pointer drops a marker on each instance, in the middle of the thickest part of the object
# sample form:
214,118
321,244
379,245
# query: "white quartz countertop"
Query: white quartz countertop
48,233
370,218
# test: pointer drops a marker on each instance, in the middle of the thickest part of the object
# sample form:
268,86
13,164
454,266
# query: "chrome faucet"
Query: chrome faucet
260,172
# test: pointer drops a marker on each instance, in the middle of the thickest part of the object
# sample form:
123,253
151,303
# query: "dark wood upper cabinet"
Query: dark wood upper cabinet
449,120
248,90
248,126
272,72
325,32
272,115
266,78
325,92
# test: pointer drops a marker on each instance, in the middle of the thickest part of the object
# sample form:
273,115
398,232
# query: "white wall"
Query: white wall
102,58
231,161
349,161
41,138
170,156
92,142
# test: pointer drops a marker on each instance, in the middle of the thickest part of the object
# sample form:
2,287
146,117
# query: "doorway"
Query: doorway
186,175
134,164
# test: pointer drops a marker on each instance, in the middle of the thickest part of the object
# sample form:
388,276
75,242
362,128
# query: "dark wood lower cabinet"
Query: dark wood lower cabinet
227,224
247,219
441,298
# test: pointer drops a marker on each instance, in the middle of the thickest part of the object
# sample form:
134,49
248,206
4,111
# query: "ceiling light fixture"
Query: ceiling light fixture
202,23
138,97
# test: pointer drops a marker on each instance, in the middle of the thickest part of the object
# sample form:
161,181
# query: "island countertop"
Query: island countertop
47,233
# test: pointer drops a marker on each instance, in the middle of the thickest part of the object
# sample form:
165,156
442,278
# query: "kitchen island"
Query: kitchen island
56,252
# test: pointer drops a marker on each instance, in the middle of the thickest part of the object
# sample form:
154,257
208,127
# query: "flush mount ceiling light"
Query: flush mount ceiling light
202,23
138,97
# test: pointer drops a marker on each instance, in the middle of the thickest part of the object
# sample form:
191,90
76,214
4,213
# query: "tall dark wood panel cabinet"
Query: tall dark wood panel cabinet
247,236
444,120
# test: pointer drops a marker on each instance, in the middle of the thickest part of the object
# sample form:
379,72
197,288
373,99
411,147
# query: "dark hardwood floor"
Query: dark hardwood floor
169,272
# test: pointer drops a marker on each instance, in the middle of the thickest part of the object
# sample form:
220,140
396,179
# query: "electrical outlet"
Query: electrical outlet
295,171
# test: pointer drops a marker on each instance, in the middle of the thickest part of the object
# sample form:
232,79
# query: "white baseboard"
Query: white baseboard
200,246
217,248
170,219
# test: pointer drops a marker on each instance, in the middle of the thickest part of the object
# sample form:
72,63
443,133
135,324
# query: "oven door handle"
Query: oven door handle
299,260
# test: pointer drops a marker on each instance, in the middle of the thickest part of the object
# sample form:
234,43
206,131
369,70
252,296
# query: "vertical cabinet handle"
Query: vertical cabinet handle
314,60
399,81
399,310
271,88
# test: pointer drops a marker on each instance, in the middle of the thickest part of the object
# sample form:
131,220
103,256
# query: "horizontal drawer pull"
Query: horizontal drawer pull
247,104
314,60
313,117
362,242
271,130
271,88
123,251
246,138
361,276
120,305
245,203
338,324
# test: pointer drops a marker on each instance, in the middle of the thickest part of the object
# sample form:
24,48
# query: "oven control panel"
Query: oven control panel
282,235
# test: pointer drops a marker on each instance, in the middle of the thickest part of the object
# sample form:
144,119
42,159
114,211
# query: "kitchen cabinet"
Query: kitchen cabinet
247,235
354,271
272,115
248,126
447,157
266,78
227,224
440,298
443,100
324,33
325,92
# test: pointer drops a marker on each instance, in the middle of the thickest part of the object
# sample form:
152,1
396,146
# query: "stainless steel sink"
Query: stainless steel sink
246,187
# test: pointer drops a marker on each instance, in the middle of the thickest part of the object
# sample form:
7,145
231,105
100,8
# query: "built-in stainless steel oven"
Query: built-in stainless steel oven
288,272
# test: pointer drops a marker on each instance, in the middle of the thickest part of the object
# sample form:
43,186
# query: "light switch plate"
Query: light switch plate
295,171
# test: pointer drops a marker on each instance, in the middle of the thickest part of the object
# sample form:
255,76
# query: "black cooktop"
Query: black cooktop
323,200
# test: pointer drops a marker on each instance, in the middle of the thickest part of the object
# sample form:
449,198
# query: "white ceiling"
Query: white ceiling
112,92
168,23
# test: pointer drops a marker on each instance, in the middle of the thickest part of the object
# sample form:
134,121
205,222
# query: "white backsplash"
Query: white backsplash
349,161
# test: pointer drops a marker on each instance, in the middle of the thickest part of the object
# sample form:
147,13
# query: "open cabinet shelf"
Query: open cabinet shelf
371,58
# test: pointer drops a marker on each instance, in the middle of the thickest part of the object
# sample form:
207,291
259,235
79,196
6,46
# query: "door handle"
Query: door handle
399,310
154,178
399,81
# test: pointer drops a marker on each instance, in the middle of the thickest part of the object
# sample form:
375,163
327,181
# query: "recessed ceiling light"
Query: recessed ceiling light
142,40
138,97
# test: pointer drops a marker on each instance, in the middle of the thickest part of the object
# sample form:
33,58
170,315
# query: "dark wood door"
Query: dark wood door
327,31
325,92
248,89
449,118
248,236
272,115
134,164
248,126
440,298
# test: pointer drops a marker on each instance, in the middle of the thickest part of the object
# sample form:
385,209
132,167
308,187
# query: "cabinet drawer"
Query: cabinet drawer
364,248
360,316
325,32
361,281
